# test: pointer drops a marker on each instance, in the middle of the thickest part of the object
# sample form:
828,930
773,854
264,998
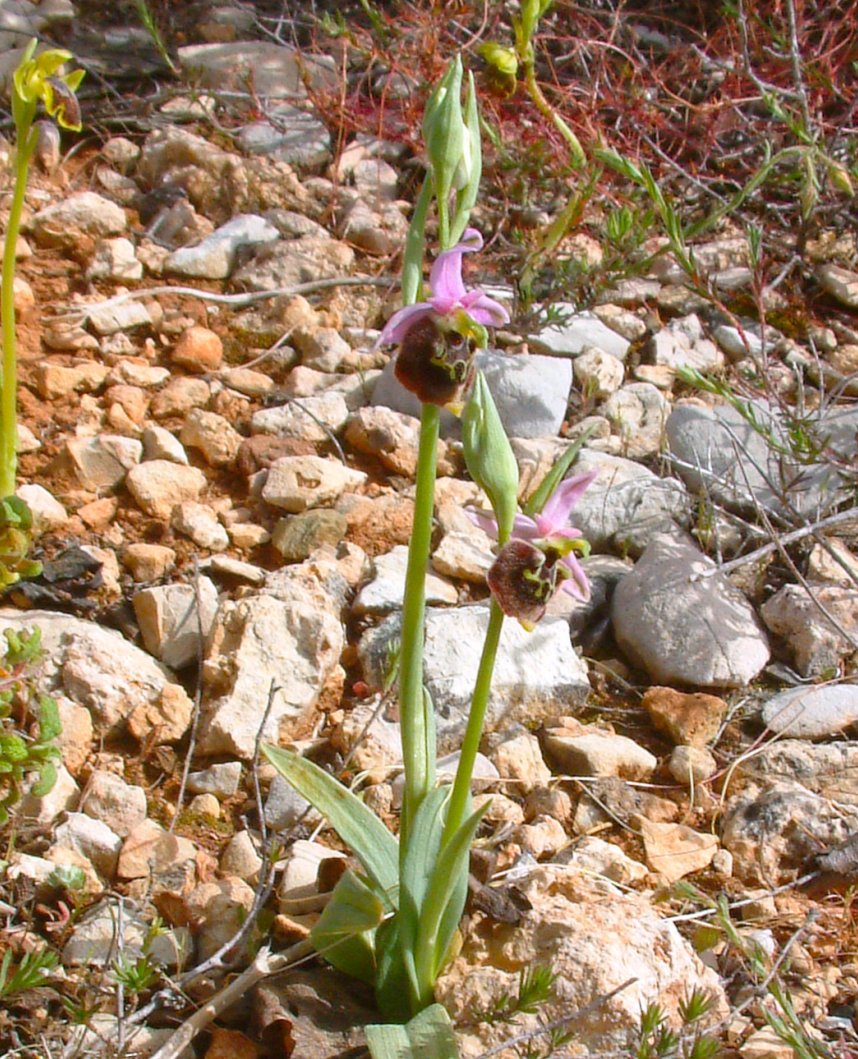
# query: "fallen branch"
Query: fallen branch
237,301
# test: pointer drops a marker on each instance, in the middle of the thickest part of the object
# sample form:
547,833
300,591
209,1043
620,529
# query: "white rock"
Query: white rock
213,435
518,760
294,643
119,805
598,374
214,257
674,850
579,332
298,891
175,620
42,812
384,592
82,211
115,259
161,444
682,345
312,418
599,753
817,644
535,674
93,839
812,712
221,780
109,319
295,483
638,412
48,513
200,523
102,462
157,485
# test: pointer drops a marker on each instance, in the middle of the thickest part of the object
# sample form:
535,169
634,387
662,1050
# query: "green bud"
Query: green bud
470,169
489,457
444,130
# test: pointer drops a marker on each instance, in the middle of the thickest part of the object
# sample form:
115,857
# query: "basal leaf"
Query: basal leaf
344,933
428,1035
371,842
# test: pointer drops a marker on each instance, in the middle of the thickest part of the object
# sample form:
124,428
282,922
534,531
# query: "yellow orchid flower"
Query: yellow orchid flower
38,79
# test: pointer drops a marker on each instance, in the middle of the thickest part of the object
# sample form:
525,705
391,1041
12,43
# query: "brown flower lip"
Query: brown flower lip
522,579
434,364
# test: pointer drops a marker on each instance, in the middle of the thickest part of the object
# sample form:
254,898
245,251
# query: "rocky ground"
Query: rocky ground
221,470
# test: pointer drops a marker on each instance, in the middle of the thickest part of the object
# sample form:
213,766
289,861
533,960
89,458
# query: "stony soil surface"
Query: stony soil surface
221,468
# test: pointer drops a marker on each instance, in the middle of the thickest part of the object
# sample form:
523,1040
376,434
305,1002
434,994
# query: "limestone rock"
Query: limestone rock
594,939
119,805
295,483
674,850
294,642
693,718
535,674
577,333
384,592
816,643
157,485
82,212
588,750
175,620
812,712
201,524
703,633
199,349
312,418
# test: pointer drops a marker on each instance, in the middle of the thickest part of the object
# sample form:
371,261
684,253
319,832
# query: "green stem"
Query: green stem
458,806
9,376
415,242
418,757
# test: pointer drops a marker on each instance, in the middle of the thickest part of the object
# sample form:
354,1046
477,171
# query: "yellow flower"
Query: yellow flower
37,78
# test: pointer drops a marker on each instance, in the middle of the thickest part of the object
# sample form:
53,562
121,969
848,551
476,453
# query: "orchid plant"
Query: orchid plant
36,80
395,925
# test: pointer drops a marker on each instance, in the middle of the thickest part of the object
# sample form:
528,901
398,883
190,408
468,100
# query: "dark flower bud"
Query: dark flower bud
435,363
523,579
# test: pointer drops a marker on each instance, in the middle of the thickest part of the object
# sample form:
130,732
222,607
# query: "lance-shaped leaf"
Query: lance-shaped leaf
357,826
345,931
428,1035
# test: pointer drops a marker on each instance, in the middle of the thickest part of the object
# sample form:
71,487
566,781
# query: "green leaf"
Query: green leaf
45,783
344,933
357,826
555,476
50,725
428,1035
391,985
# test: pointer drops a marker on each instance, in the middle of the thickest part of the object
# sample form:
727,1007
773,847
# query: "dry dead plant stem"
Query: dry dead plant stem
264,965
774,545
236,301
198,699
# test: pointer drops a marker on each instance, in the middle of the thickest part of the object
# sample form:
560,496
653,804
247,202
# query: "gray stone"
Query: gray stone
818,643
312,418
385,591
681,631
717,452
94,940
214,257
638,413
582,752
285,264
840,283
276,72
295,483
294,643
377,229
213,434
161,444
111,319
681,344
48,513
531,393
814,712
220,780
321,348
577,333
774,831
175,620
627,503
284,807
825,768
299,536
95,667
393,437
598,374
240,858
83,211
291,135
536,673
114,259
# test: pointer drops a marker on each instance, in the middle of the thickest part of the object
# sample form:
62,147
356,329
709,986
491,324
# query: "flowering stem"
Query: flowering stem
8,376
415,242
418,756
458,805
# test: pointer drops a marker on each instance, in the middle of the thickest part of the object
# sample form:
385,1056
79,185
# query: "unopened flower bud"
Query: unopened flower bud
489,456
444,130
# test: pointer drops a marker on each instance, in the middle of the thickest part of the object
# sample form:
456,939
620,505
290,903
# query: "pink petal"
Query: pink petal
485,310
577,585
400,323
445,279
566,496
483,520
524,528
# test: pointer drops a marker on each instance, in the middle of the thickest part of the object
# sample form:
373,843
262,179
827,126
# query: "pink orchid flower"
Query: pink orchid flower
448,295
550,531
